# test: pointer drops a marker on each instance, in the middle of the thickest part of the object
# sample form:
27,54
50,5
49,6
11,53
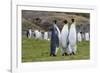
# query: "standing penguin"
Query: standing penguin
29,33
79,37
72,39
37,34
87,36
64,38
58,37
45,35
54,39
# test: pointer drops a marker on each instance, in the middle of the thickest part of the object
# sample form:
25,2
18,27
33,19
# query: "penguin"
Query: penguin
64,38
29,33
45,35
79,37
55,32
58,36
87,36
38,34
72,47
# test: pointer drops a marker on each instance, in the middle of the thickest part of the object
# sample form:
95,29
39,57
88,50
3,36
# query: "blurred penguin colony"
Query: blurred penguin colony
82,32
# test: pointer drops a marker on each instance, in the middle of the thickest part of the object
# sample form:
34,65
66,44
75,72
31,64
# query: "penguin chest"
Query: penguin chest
63,37
72,36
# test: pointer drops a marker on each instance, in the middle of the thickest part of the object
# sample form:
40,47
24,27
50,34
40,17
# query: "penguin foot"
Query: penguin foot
52,55
73,53
64,54
69,54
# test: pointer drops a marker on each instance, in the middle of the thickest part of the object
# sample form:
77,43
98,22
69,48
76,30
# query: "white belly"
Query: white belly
63,37
72,35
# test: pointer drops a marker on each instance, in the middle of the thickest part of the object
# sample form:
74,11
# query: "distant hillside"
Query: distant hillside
42,20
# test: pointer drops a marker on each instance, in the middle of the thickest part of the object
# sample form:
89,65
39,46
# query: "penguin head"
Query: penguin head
55,21
73,20
65,21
